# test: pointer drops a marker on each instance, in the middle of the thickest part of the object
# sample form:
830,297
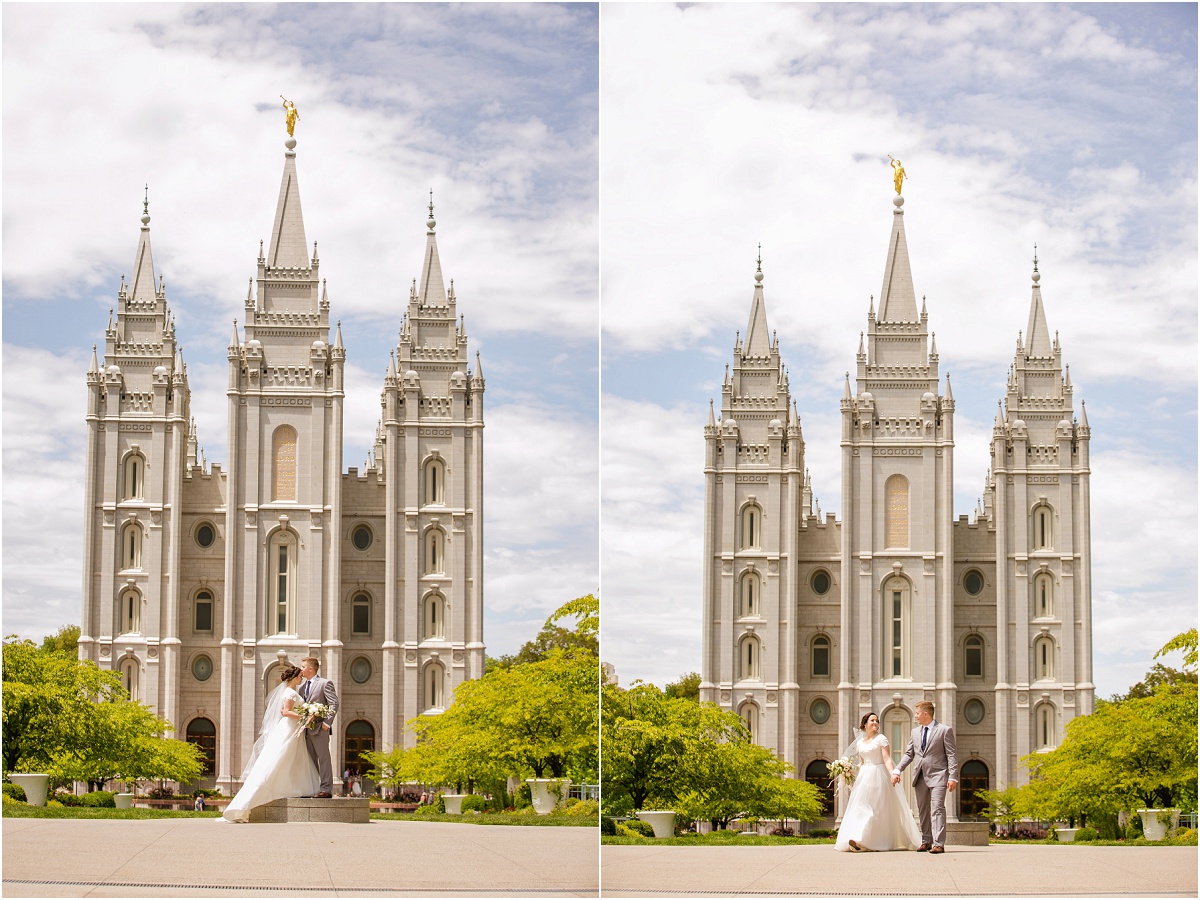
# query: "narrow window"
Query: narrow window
749,594
435,481
1045,727
435,552
896,513
131,546
820,656
435,618
433,686
1043,652
750,659
750,717
361,614
129,678
204,611
131,612
974,657
284,471
282,559
135,477
897,600
1043,590
1043,527
751,527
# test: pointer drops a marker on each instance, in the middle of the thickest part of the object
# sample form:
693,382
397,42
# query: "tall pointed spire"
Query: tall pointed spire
432,291
142,288
758,336
1038,332
288,248
897,300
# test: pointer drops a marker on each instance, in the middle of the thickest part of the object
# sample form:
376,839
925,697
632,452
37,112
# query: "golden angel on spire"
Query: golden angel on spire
898,172
289,109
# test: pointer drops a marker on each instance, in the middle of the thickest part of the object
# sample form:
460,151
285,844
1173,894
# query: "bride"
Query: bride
279,765
877,816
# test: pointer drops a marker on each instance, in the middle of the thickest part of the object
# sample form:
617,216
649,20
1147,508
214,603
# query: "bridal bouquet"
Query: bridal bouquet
842,767
310,713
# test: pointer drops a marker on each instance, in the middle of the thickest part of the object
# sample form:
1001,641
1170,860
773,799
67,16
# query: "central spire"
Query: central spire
433,290
758,340
141,288
288,248
1038,333
897,300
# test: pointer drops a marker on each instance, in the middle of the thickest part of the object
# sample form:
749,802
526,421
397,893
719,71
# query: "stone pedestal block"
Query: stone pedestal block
967,834
353,810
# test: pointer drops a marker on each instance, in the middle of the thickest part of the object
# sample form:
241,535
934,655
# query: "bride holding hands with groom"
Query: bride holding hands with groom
291,756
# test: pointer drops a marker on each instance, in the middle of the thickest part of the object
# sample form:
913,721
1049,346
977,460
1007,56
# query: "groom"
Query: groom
935,773
316,689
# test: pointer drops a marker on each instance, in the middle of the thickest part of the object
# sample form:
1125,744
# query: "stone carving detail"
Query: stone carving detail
928,566
865,567
1043,479
864,698
459,521
135,426
726,567
251,520
772,697
752,479
155,517
1021,567
458,656
899,451
433,432
152,652
1069,698
105,652
773,566
286,401
1022,698
248,653
411,523
725,695
1066,567
410,656
109,517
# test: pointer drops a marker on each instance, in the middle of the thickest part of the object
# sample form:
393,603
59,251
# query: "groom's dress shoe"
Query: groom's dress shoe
922,848
937,849
323,795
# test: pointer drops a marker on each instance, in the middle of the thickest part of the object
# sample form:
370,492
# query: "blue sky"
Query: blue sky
494,107
1072,127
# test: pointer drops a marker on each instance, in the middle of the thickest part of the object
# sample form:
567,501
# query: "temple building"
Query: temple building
200,581
811,622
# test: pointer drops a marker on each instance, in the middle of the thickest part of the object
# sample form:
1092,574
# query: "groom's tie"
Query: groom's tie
304,689
924,736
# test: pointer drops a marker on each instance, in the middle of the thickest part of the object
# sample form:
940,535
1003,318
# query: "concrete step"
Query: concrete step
354,810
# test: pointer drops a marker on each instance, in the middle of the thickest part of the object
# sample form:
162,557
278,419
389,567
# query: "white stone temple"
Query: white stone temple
200,581
810,622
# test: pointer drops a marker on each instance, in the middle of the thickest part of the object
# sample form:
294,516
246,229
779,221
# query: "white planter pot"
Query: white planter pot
1067,835
35,787
548,793
1155,822
661,820
123,801
453,803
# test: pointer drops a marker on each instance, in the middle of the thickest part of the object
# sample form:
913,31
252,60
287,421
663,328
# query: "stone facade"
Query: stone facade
199,582
810,622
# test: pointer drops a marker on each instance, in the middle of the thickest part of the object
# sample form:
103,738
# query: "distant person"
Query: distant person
199,805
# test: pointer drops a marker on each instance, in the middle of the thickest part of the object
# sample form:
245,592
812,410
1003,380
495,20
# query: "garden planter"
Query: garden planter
35,787
548,793
1067,835
123,801
453,803
1155,822
661,820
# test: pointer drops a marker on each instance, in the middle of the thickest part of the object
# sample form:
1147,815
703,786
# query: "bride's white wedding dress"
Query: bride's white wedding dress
878,816
279,764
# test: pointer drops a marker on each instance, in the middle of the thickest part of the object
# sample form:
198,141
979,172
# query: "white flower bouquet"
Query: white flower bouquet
842,767
310,713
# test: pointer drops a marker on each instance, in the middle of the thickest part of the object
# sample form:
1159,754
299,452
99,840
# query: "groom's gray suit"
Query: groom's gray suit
932,768
321,690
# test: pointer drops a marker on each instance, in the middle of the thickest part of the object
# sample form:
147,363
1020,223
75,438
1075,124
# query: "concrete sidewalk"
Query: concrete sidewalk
202,857
1006,870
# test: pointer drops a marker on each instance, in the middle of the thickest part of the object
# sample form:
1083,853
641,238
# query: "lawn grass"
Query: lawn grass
494,819
21,811
717,839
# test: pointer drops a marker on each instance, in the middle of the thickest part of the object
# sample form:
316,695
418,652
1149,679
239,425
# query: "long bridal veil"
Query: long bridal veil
271,716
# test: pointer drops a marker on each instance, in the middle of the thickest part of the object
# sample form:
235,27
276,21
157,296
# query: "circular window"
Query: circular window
361,537
202,668
973,712
821,582
360,670
206,535
819,711
973,582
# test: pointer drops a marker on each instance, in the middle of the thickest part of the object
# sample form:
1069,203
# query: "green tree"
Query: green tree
686,688
65,640
584,636
788,798
1001,806
646,737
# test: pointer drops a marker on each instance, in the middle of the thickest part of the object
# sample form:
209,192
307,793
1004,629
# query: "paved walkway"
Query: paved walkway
818,870
204,858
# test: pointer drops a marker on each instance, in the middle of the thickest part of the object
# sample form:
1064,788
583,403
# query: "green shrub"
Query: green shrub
1133,829
640,827
1087,834
15,791
474,803
53,804
10,800
608,826
98,798
1184,836
427,810
578,808
523,797
822,832
66,798
623,830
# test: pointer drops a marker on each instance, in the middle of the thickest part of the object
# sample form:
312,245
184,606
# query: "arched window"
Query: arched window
1043,724
135,477
360,614
360,738
895,527
1043,659
973,656
752,522
435,481
749,601
817,773
131,612
1043,595
974,781
203,612
434,687
435,616
282,553
820,656
435,552
129,678
749,714
283,480
131,546
203,733
897,603
751,661
1043,527
897,726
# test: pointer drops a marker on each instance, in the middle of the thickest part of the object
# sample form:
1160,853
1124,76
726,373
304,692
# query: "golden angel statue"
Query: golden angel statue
898,172
289,109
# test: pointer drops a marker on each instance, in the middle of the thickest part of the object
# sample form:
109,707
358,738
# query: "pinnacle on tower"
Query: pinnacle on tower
1039,334
142,287
433,289
288,248
897,299
758,340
